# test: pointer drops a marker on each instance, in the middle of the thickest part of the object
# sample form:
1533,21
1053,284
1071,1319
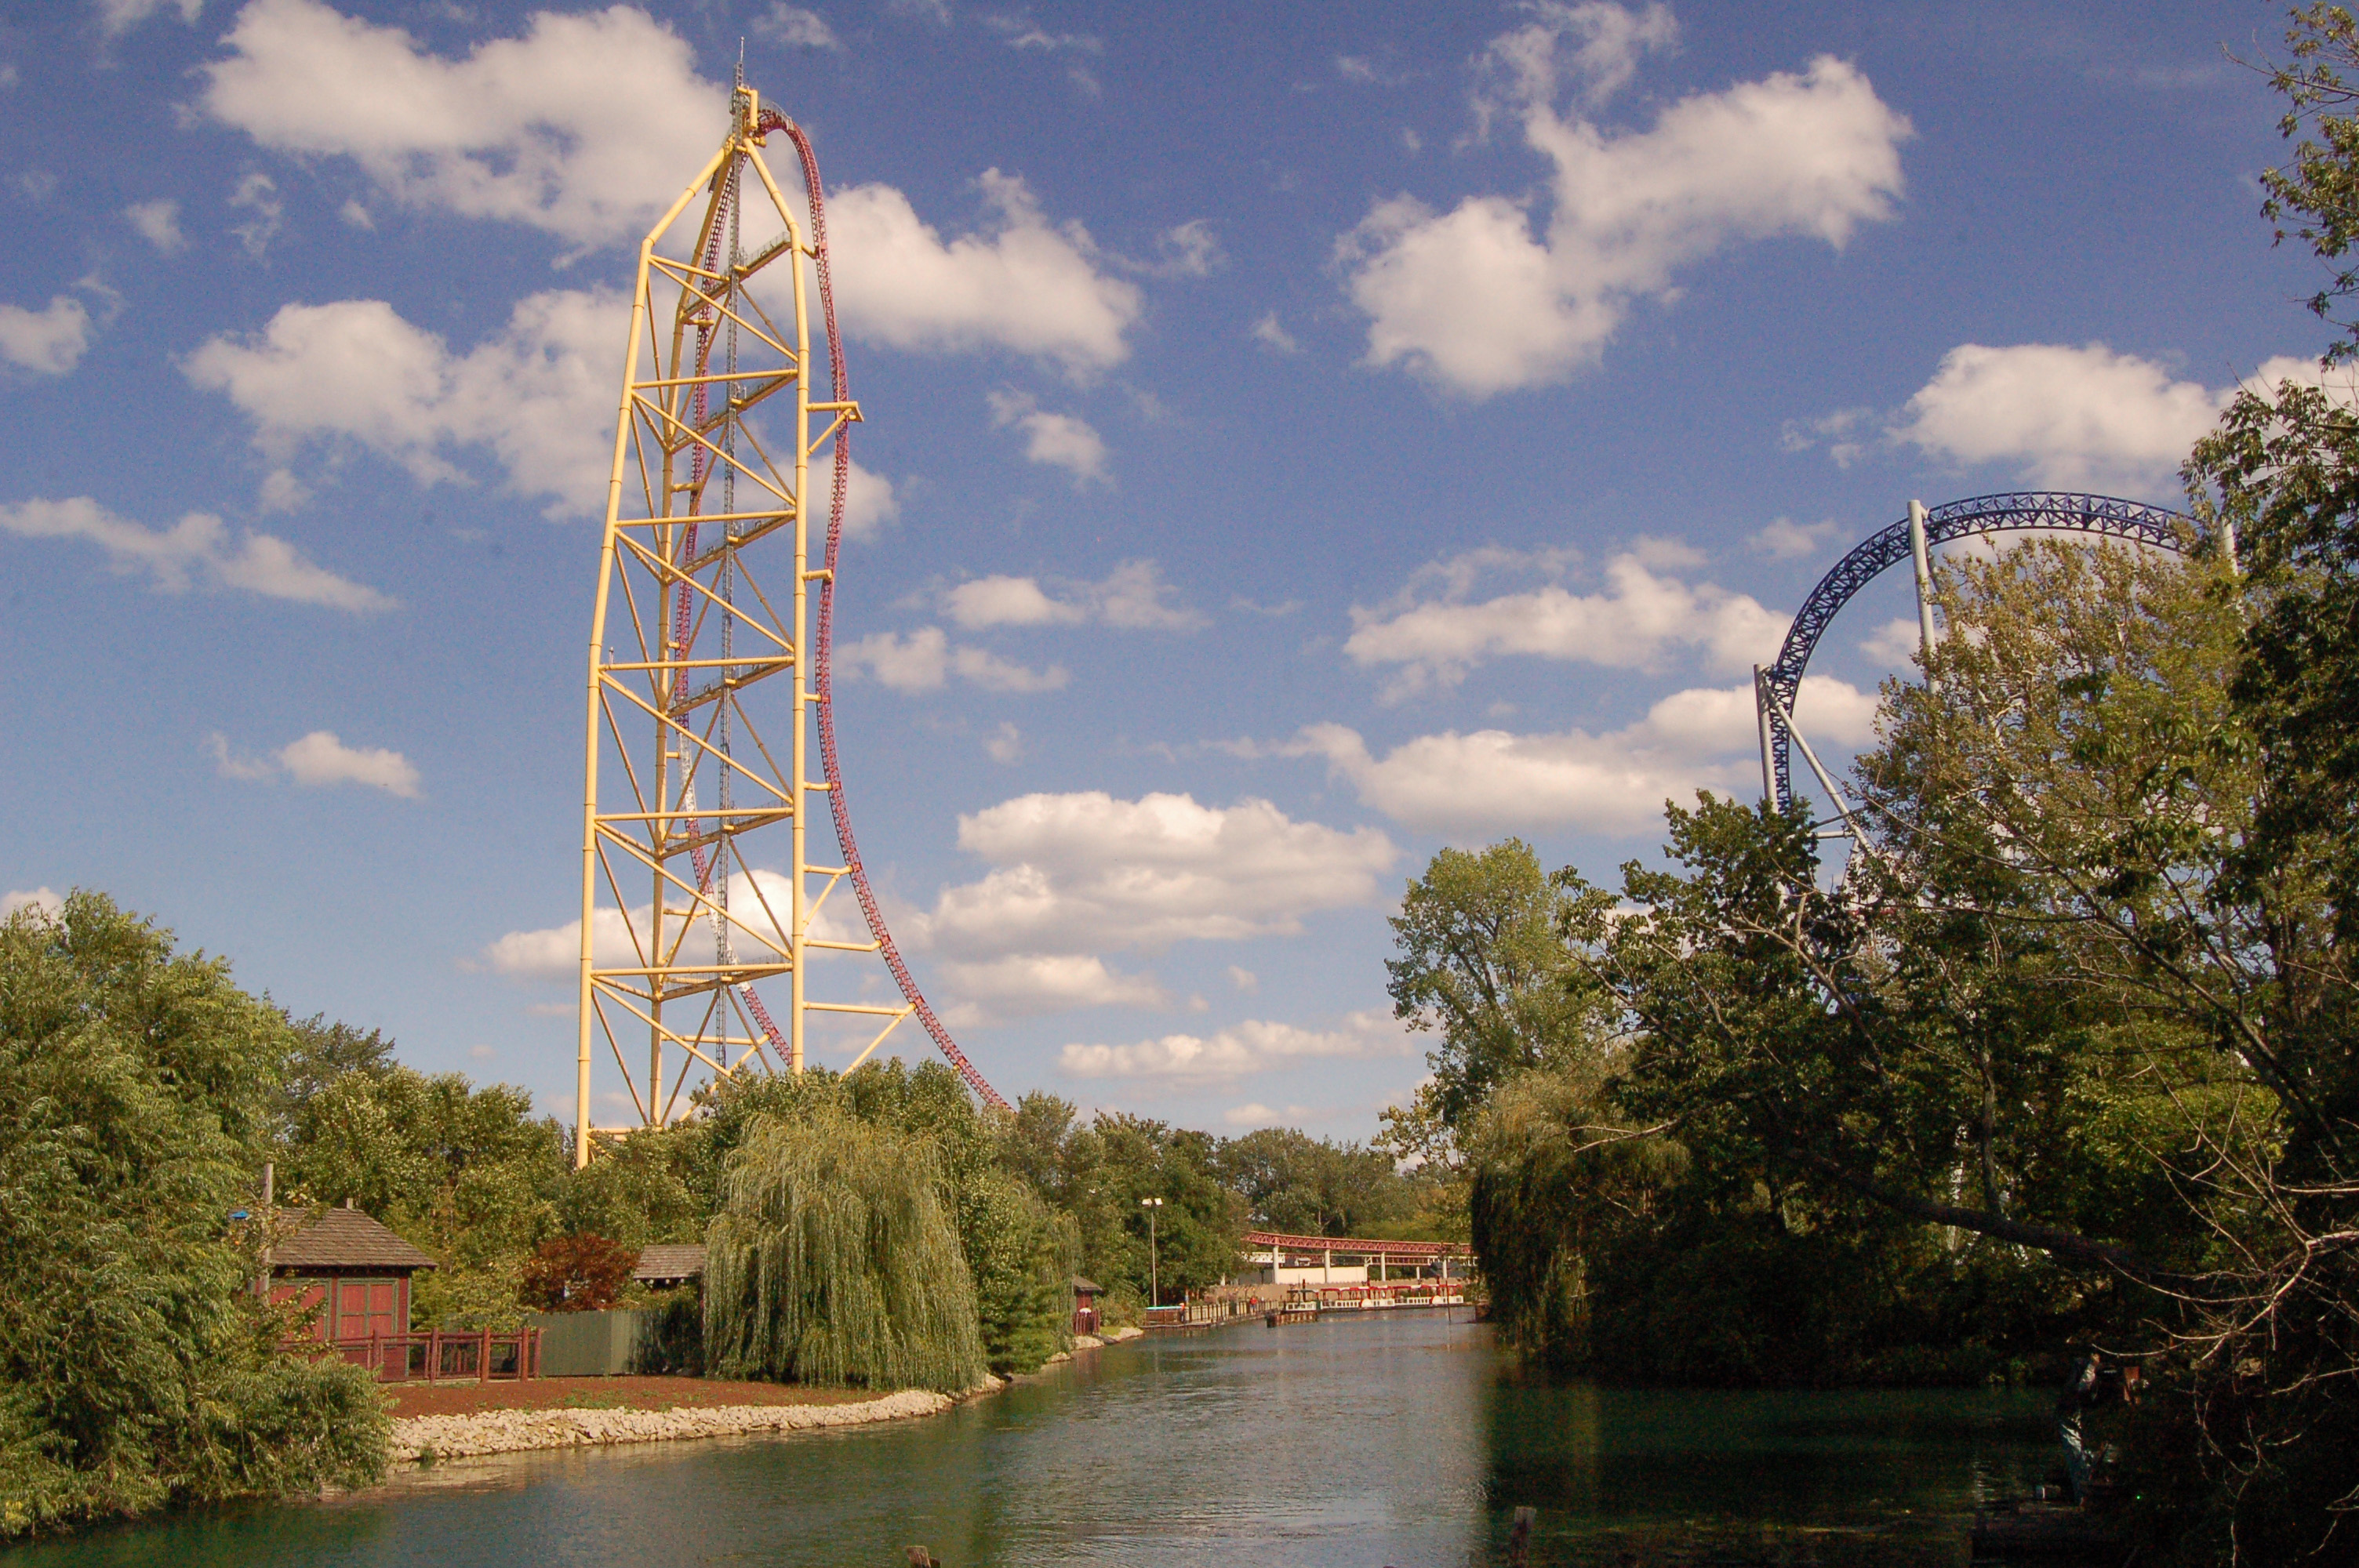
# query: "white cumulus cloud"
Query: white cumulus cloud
586,126
795,27
1268,331
116,17
1026,984
1022,283
1492,295
1133,597
758,903
1061,441
48,341
319,759
48,900
1435,631
1783,539
1088,872
1075,877
1003,600
159,223
1252,1046
197,551
2066,416
1494,781
2055,414
539,393
926,659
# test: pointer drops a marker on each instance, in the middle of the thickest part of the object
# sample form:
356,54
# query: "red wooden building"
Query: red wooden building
355,1270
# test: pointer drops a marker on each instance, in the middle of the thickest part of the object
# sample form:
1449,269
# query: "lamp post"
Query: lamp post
1154,1265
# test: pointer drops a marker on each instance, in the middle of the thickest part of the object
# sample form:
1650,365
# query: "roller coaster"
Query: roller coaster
713,456
712,460
1776,685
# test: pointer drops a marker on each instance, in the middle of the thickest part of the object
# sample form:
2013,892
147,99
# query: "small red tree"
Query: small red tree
577,1273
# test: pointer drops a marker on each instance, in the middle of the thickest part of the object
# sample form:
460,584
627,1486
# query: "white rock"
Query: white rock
517,1431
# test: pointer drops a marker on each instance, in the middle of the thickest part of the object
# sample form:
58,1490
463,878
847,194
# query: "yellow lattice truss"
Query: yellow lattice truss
699,693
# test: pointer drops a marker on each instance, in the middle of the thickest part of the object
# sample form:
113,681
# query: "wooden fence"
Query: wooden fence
434,1357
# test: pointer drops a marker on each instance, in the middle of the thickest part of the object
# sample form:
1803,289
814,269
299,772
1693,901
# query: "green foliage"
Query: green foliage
136,1368
1023,1255
2315,198
1019,1251
1099,1173
2066,1053
1551,1189
1482,964
326,1051
657,1186
1956,1036
834,1260
465,1173
1307,1187
673,1342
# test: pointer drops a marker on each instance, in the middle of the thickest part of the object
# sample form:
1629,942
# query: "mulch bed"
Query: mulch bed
603,1393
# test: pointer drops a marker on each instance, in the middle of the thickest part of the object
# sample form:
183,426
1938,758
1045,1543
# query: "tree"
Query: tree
1552,1193
325,1051
577,1273
834,1260
656,1185
1306,1186
466,1173
1482,965
2078,1002
1120,1159
1020,1250
2044,855
1033,1144
137,1368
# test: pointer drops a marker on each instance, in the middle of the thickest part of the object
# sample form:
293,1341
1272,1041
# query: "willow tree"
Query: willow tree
835,1260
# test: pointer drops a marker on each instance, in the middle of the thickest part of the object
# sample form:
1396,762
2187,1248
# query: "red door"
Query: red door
366,1306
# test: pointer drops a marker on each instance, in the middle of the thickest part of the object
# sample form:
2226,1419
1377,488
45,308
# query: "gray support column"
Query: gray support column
1922,561
1761,714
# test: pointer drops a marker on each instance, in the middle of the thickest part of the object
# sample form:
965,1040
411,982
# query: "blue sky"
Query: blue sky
1297,439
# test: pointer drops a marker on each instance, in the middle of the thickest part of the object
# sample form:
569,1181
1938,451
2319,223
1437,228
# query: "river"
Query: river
1403,1440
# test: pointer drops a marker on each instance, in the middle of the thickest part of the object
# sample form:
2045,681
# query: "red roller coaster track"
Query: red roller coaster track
823,685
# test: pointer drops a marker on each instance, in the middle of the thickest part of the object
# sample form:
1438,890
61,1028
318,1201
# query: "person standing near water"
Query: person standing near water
2088,1382
2074,1401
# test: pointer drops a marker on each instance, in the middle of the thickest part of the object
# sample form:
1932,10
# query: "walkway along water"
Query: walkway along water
1366,1440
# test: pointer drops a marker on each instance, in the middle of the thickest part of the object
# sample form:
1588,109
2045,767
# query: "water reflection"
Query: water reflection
1895,1472
1404,1440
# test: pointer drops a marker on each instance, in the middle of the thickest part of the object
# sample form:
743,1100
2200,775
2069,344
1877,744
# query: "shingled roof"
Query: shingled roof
340,1239
669,1261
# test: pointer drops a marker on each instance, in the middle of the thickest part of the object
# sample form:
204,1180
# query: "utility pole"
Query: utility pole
1153,1264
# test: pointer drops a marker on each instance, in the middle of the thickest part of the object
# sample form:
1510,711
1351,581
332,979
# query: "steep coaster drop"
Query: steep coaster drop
683,965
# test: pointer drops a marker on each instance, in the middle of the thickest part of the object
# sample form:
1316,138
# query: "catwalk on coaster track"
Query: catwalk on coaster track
701,701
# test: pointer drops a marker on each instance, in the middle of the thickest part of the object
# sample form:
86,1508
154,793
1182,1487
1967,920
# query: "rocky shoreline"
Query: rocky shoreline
428,1438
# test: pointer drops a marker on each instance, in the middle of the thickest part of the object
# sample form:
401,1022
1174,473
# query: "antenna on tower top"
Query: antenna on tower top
740,65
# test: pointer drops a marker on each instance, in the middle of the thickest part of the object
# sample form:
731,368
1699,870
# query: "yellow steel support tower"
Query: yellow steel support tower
689,748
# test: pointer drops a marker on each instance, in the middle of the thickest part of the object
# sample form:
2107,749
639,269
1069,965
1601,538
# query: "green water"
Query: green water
1403,1440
